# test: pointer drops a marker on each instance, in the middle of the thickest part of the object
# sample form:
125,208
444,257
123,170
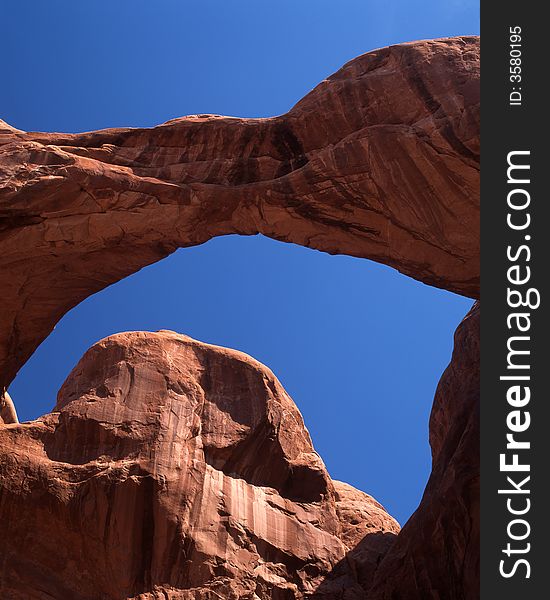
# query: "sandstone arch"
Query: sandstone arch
380,161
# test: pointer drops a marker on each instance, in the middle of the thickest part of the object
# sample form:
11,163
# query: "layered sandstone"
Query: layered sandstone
119,491
173,467
379,161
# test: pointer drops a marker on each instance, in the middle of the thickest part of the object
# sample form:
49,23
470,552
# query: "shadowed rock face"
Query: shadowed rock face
172,469
379,161
174,465
436,555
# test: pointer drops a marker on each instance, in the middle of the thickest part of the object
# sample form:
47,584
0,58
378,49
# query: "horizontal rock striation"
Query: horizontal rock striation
379,161
175,470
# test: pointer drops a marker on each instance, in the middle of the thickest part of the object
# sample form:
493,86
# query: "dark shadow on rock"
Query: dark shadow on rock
353,575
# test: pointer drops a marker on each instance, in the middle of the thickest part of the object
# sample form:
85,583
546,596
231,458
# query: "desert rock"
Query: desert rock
436,555
379,161
168,487
173,465
8,413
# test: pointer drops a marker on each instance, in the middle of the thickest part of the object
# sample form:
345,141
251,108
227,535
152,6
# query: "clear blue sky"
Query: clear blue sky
359,347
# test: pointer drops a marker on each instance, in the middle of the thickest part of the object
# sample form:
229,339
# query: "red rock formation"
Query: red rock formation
436,555
379,161
7,409
174,467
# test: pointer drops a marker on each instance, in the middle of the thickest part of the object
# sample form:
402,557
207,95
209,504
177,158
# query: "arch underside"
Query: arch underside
380,161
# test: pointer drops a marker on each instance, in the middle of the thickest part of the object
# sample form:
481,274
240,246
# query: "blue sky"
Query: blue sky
359,347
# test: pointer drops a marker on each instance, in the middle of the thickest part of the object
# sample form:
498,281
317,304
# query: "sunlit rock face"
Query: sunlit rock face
380,161
8,413
175,470
178,467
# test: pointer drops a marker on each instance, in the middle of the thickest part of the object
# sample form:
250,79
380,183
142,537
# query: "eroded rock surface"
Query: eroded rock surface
436,555
149,481
174,467
380,160
8,413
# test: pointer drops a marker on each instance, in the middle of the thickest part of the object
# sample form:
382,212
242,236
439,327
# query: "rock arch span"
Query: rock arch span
380,161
